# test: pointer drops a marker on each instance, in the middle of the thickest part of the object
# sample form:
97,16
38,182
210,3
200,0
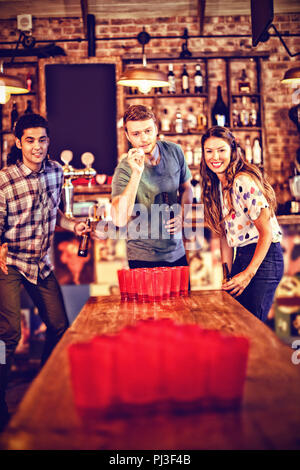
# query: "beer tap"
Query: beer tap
70,173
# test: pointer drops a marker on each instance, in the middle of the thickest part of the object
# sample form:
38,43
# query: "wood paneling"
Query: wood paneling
135,8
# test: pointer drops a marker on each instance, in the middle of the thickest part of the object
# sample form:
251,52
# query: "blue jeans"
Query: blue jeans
259,294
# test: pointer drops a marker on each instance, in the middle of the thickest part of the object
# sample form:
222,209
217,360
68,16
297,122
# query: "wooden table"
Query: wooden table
268,419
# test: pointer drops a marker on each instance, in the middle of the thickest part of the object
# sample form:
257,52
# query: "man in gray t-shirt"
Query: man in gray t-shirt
150,175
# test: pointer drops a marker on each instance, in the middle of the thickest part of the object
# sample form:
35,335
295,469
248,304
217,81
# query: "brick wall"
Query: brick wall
282,137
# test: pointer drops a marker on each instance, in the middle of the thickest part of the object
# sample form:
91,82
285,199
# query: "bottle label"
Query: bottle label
185,82
220,118
198,81
172,87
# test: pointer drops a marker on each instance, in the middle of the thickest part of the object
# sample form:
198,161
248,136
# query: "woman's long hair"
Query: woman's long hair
210,181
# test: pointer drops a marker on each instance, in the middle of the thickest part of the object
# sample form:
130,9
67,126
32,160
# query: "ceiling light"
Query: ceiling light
292,76
144,78
9,85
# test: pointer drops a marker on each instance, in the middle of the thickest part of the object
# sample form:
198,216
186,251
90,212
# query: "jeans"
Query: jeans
47,296
133,264
259,294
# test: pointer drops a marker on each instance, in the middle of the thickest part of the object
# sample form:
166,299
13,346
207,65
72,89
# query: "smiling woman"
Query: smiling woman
239,205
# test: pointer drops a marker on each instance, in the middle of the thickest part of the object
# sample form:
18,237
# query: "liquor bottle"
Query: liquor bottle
185,87
248,150
178,122
198,80
253,113
244,116
28,109
197,153
168,212
158,90
165,122
201,119
196,190
84,241
14,115
189,156
226,274
219,111
171,80
235,113
256,152
191,120
244,84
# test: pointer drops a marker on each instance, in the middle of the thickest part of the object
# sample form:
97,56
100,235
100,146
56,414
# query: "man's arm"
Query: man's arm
70,224
122,205
186,193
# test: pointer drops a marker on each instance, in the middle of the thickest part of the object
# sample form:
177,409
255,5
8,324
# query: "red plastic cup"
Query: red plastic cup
140,283
105,351
175,281
166,283
228,371
149,284
158,284
130,284
122,283
184,280
84,376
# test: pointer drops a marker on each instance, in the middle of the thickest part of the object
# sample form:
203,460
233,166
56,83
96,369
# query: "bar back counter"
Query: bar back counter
269,417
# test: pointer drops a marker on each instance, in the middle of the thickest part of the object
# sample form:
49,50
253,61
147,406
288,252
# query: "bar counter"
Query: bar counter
269,417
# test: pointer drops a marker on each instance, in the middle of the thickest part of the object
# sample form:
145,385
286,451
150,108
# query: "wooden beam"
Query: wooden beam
201,14
84,13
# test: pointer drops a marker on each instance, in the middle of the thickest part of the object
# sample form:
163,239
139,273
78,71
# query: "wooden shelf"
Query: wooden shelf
167,95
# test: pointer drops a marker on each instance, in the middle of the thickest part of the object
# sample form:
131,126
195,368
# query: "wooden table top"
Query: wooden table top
268,419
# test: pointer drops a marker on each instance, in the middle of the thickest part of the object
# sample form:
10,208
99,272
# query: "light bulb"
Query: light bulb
4,95
144,86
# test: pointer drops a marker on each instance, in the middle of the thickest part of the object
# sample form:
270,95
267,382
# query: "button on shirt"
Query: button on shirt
28,209
247,201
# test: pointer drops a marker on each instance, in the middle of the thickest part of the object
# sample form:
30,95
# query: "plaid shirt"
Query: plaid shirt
28,207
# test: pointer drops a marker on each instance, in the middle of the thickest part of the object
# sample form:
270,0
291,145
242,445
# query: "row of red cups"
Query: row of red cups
153,284
159,362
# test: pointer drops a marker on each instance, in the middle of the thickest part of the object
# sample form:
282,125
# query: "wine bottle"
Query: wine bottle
171,80
84,241
198,80
29,109
191,120
165,122
256,152
201,119
219,111
178,122
244,84
185,87
253,113
14,115
226,274
244,112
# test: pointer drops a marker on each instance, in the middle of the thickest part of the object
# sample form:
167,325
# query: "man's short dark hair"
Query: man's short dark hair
138,112
26,121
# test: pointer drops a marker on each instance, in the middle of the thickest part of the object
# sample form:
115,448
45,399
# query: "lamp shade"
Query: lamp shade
292,76
11,84
144,78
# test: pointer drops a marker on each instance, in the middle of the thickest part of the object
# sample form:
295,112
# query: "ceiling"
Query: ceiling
134,8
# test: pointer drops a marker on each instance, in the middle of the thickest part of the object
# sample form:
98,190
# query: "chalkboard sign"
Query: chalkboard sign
81,110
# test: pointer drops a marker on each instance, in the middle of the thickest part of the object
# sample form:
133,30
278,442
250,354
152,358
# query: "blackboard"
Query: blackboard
81,110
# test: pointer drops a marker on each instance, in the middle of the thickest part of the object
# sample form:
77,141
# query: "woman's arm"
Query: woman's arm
226,252
239,282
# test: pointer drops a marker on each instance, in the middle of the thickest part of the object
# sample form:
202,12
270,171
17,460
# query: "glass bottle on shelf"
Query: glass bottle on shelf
185,86
256,152
235,113
189,156
197,153
13,115
29,82
28,109
253,113
196,189
171,80
244,83
191,121
158,90
244,116
198,80
165,125
178,122
219,111
201,118
248,150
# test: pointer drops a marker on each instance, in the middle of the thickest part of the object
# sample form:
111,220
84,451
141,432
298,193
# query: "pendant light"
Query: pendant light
144,78
292,76
9,85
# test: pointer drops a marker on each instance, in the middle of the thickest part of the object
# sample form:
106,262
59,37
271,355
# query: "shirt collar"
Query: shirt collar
27,171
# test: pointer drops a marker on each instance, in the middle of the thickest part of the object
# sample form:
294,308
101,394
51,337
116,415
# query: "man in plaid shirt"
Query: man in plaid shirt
30,189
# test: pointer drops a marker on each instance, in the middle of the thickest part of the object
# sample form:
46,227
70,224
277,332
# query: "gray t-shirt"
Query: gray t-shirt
164,178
